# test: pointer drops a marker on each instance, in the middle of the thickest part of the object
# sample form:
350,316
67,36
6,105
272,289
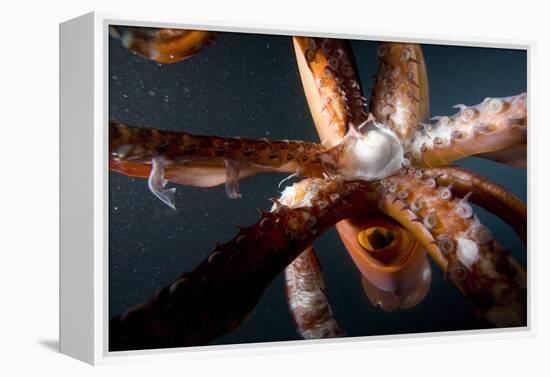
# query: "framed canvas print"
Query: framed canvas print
225,187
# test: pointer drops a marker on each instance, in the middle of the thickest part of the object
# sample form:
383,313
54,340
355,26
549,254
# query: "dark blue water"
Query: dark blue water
248,85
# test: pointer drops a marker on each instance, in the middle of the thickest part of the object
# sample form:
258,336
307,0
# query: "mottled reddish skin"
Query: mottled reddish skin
216,297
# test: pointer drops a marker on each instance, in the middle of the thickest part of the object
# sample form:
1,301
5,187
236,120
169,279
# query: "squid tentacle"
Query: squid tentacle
461,246
142,144
494,198
216,296
400,94
163,45
515,156
305,286
132,151
307,298
331,85
334,95
496,124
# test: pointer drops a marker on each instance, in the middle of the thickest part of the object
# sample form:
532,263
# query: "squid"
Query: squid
381,174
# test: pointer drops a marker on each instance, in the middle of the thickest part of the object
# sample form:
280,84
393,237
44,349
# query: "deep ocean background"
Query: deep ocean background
248,85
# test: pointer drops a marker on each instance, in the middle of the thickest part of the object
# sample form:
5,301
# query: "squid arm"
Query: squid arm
494,198
163,45
496,128
400,97
463,247
205,161
208,173
308,300
217,295
305,287
328,73
514,156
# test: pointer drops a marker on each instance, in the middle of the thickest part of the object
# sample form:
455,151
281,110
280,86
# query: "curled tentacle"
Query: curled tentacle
496,124
215,297
400,94
463,248
331,85
494,198
163,45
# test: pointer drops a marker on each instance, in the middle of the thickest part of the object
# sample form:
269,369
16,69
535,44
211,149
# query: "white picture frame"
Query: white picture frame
84,191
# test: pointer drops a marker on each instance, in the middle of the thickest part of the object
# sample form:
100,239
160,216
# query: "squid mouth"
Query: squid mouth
376,239
395,271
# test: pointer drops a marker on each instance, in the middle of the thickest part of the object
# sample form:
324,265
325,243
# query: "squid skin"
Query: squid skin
494,198
216,296
464,248
163,45
496,124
